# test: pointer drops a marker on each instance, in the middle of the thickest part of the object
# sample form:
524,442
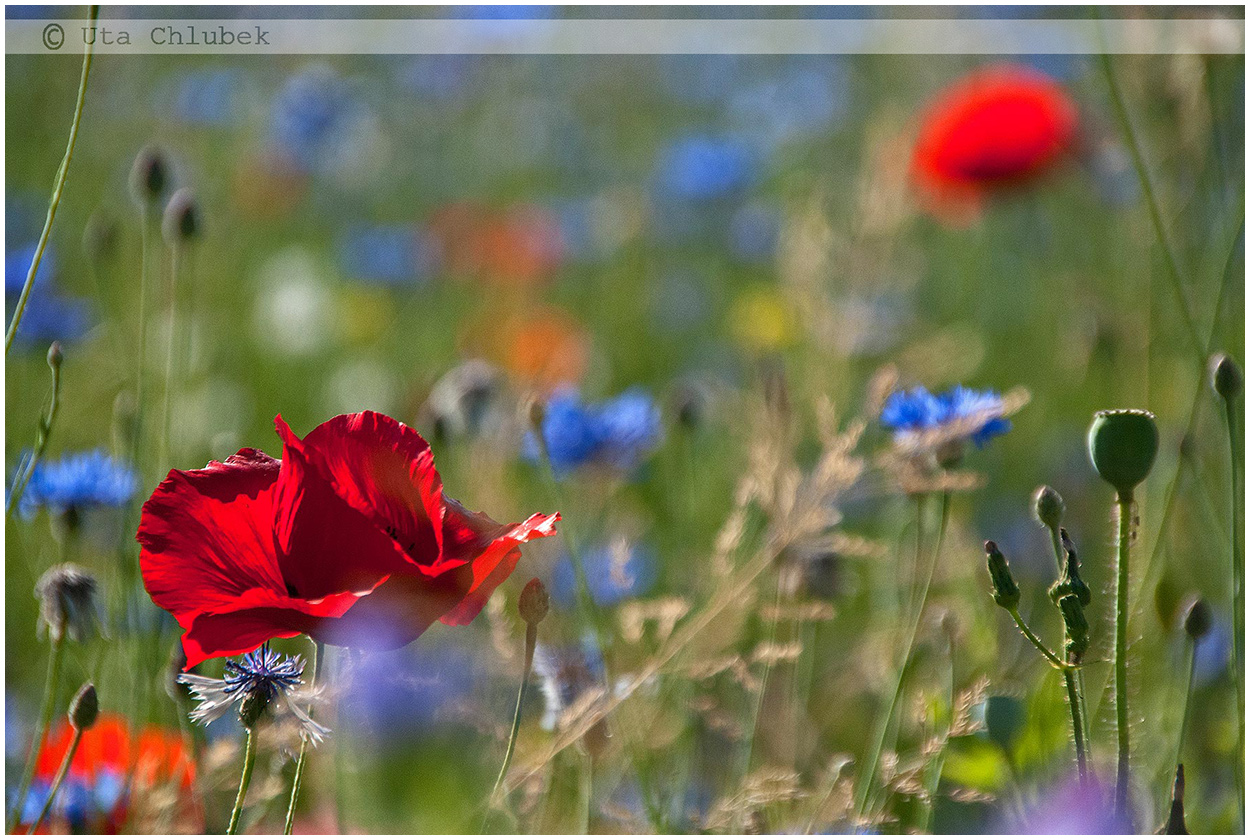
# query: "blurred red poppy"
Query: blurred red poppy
349,539
999,126
108,771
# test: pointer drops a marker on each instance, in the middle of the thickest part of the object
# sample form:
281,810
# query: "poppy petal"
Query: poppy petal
495,555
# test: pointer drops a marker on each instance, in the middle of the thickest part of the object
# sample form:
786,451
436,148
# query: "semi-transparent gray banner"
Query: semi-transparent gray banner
612,37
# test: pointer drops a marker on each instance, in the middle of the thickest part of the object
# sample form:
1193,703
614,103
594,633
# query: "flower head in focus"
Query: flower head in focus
998,126
255,682
349,539
619,432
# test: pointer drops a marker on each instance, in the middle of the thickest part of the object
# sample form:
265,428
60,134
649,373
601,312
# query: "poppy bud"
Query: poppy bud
1226,376
67,602
1003,586
55,355
1076,627
1070,583
148,177
534,602
1122,447
1048,506
537,412
1198,619
84,708
181,223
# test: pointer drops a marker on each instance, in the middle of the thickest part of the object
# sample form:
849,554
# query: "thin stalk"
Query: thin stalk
531,641
1045,651
874,757
758,709
1124,509
58,780
1080,716
1237,478
175,261
41,443
145,246
58,188
1189,691
249,761
41,734
318,657
1078,730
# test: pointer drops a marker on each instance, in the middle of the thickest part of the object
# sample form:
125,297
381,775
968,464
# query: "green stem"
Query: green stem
1124,509
874,757
318,658
1237,478
41,443
1078,730
1050,655
249,761
57,189
58,780
531,641
1189,690
41,734
145,246
174,263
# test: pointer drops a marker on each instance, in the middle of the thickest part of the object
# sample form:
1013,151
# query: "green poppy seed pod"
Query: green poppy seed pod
149,177
534,602
84,708
1003,586
1198,619
1048,506
1122,447
56,355
181,222
1075,625
1226,376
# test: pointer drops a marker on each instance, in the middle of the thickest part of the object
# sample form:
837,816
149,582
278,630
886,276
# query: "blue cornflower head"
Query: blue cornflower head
705,167
956,415
207,97
312,116
619,432
80,480
614,572
255,682
49,315
388,255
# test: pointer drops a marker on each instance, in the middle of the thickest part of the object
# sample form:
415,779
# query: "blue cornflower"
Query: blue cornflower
49,316
312,116
397,695
961,412
702,167
619,432
389,255
80,480
254,682
614,573
208,97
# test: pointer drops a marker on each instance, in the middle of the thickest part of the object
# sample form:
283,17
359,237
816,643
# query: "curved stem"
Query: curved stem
175,261
1124,509
1050,655
249,761
41,734
531,641
58,188
317,658
1237,478
58,780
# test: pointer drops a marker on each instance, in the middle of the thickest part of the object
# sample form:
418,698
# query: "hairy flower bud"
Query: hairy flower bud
181,222
84,708
1070,583
1003,586
534,602
67,602
1048,506
148,177
1122,447
1076,627
1226,376
1198,619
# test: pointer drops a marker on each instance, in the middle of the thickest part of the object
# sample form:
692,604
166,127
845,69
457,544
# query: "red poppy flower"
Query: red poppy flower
998,126
349,538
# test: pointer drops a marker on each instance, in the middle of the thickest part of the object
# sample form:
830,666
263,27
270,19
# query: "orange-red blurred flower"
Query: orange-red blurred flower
999,126
519,247
110,769
543,348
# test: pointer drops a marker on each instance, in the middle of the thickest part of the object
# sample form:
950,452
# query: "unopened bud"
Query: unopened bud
537,413
1048,506
1003,586
84,708
148,177
1070,583
1226,376
1198,619
66,596
534,602
56,355
181,222
1075,626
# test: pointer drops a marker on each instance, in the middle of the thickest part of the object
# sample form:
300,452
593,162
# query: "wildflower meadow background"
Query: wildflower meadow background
785,340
